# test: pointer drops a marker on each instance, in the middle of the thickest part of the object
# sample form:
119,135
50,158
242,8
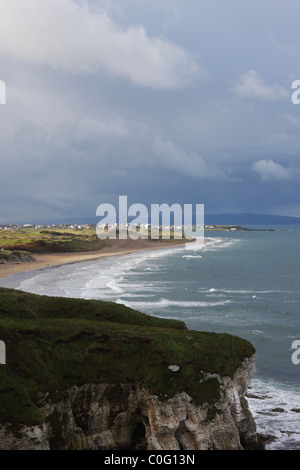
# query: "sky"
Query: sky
163,101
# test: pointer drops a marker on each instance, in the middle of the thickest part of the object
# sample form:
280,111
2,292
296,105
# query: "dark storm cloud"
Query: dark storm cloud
162,101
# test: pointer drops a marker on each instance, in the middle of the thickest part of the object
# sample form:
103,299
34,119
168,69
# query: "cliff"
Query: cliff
96,375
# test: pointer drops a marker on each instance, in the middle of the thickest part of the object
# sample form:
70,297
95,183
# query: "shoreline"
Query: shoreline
119,248
47,260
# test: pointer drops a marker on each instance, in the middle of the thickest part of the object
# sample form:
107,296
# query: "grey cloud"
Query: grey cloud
97,107
70,37
270,170
190,164
251,85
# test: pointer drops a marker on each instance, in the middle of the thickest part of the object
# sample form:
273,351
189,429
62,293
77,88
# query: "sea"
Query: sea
245,283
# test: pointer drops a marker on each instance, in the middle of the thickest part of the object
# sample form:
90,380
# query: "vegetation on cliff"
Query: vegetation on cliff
54,343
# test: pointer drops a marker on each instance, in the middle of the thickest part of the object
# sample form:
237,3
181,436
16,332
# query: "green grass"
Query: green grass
47,241
55,241
55,343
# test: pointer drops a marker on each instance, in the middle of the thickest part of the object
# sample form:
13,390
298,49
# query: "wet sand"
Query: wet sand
117,247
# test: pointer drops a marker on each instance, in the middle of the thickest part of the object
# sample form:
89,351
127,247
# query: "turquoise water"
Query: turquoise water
243,283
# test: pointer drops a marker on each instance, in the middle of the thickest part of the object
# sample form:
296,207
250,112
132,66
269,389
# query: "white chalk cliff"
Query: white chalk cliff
123,416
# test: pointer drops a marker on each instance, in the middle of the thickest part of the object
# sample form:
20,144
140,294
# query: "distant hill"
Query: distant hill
249,219
242,219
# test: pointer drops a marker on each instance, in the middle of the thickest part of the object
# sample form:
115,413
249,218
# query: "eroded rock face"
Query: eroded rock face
26,438
121,416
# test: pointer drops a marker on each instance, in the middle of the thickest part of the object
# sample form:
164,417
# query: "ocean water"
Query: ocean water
242,283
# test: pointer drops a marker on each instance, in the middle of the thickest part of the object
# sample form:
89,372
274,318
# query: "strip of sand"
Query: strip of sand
117,247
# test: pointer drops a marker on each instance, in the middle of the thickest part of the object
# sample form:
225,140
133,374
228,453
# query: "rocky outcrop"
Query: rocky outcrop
123,416
86,374
15,257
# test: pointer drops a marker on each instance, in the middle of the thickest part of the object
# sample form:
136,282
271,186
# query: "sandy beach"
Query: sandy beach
117,247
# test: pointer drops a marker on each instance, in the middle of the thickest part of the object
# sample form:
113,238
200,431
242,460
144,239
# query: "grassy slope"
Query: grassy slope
54,343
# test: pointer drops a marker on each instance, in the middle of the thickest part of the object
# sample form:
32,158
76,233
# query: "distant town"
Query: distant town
94,226
46,226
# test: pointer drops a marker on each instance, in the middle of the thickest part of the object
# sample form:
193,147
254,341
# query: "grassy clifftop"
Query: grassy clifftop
55,343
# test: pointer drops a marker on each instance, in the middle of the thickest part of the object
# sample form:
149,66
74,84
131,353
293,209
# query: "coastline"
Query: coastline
266,395
116,248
